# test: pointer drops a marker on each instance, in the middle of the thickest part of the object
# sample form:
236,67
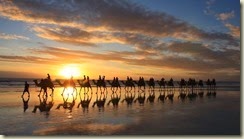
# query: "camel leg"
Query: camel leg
97,89
80,90
63,91
39,92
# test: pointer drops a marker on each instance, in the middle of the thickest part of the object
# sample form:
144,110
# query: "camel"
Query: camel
115,85
66,84
129,84
191,84
44,84
170,85
182,85
140,84
100,83
200,84
208,83
151,84
162,84
85,83
213,83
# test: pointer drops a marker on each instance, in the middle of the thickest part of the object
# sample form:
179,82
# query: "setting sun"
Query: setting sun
70,70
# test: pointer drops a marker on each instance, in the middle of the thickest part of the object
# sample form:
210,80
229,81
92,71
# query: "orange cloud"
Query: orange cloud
225,16
12,37
235,30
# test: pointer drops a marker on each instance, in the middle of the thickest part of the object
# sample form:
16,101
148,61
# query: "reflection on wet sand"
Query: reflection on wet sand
44,106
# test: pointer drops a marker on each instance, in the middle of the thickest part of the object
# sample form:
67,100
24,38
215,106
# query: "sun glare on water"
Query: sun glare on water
70,70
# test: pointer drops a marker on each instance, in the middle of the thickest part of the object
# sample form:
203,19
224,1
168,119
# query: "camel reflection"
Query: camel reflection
115,98
67,105
44,106
151,96
129,98
211,94
182,95
85,101
100,101
161,96
25,102
141,98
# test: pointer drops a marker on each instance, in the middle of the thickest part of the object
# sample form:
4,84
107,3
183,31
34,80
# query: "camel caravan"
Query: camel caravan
134,91
187,88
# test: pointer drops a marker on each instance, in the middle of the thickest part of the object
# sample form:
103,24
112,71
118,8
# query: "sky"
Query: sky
172,39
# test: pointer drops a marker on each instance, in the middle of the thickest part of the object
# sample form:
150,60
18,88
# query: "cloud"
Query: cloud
92,22
202,58
12,37
208,9
102,15
225,16
65,34
187,57
16,74
207,57
146,43
234,30
26,59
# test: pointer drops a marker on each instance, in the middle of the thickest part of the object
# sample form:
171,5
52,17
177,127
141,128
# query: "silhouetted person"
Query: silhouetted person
48,77
26,89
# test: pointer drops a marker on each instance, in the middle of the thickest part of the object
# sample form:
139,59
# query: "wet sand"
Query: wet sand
218,115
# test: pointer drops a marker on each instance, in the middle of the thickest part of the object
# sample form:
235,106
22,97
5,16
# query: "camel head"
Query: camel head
36,83
59,82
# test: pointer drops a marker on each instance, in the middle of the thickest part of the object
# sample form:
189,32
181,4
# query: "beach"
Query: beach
210,115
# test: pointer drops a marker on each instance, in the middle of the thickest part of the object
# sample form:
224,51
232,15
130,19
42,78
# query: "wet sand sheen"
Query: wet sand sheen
218,115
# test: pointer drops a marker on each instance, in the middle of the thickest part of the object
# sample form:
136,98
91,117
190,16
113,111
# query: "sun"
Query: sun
70,70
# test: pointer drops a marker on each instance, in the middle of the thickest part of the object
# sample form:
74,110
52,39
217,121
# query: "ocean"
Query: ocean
215,115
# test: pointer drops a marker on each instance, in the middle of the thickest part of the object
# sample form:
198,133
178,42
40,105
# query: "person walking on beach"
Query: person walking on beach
26,89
